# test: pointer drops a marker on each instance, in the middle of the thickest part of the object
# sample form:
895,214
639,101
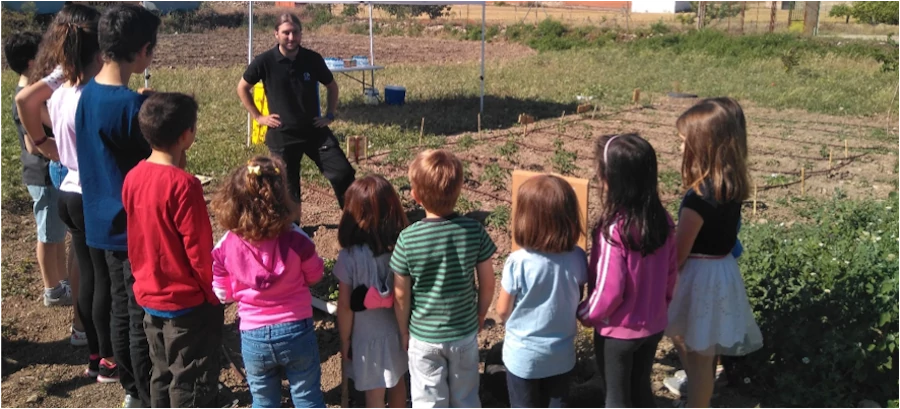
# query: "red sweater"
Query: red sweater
169,238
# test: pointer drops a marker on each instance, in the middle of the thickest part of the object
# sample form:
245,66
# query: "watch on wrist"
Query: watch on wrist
330,116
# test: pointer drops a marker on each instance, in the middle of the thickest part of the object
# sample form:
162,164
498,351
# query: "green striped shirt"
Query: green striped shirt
440,255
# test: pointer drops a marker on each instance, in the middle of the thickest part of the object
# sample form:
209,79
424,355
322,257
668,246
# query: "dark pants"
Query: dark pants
93,298
185,355
552,392
626,365
127,327
325,151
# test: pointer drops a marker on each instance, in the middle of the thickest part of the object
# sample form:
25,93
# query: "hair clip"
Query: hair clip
253,170
277,171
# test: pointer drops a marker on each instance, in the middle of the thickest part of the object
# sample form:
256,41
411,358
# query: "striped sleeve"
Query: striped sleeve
399,262
609,288
487,248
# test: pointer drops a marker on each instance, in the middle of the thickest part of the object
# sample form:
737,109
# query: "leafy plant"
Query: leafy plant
563,161
508,150
495,176
841,10
465,206
350,10
660,27
825,295
399,156
466,141
401,11
499,218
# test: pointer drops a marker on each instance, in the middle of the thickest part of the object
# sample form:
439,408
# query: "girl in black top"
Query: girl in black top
710,314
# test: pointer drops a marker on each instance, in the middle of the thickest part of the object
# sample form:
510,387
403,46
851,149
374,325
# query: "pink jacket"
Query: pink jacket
630,293
269,280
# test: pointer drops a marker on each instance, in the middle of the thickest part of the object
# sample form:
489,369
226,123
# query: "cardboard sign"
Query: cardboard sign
581,192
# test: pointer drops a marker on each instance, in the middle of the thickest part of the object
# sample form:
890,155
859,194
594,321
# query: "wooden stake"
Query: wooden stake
422,131
755,196
594,112
830,158
524,130
636,96
802,181
846,150
365,148
479,124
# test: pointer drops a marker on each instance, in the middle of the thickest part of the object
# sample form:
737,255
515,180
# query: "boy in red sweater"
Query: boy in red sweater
170,247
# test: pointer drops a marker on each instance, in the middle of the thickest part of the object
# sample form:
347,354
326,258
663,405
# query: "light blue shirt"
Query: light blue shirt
540,332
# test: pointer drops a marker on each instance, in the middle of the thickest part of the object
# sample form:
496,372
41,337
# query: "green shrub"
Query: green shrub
825,297
350,10
659,27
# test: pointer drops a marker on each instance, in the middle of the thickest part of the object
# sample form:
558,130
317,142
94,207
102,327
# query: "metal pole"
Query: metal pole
146,70
249,60
483,24
371,40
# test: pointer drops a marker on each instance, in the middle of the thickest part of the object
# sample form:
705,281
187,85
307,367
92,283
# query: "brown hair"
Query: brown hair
288,18
436,177
373,215
71,42
164,117
715,149
547,218
254,202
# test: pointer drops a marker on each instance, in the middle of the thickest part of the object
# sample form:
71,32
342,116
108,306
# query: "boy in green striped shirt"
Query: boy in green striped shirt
439,310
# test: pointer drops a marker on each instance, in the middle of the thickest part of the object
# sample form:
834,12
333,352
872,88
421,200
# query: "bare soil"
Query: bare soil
41,369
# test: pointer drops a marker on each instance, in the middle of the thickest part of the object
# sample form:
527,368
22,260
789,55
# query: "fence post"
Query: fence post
743,13
701,14
772,17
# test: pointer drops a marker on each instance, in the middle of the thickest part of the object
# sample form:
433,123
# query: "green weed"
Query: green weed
495,176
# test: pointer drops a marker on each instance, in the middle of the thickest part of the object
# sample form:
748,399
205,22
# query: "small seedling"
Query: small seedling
465,142
465,206
508,149
399,157
467,170
563,161
495,176
499,218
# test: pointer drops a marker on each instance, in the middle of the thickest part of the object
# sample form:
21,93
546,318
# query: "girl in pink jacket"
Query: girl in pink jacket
632,271
266,264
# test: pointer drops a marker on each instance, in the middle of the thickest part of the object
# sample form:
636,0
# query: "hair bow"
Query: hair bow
253,170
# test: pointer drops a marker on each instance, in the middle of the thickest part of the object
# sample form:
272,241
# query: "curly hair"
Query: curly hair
254,202
71,42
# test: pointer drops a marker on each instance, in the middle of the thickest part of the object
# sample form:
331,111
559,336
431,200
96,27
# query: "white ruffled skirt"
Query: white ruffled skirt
710,310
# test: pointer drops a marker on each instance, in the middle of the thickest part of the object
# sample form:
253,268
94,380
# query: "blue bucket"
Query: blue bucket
394,95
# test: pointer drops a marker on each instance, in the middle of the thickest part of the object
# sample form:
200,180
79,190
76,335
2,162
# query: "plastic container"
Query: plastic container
370,96
361,60
334,63
394,95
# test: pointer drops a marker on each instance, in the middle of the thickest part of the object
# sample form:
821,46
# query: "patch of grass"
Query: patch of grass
670,180
777,179
466,206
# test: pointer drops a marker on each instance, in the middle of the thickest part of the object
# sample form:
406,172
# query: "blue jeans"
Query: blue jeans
552,392
290,347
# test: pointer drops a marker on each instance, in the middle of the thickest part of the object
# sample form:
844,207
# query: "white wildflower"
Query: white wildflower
827,291
747,380
821,244
805,360
812,274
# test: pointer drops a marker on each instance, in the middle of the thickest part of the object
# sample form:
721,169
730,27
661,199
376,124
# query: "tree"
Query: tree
876,12
841,10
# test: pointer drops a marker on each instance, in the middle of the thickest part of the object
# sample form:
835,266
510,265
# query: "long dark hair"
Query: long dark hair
626,166
373,215
70,42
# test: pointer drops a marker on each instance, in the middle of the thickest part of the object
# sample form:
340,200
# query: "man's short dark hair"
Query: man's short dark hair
165,116
124,29
19,49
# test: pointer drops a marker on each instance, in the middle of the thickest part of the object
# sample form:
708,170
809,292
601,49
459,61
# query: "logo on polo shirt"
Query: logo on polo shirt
306,76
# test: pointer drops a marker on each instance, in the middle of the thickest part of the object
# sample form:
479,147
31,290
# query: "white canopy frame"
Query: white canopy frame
370,5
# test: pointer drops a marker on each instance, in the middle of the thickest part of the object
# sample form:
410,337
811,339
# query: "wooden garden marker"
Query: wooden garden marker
581,192
524,130
422,131
802,181
583,108
365,141
636,96
755,196
846,150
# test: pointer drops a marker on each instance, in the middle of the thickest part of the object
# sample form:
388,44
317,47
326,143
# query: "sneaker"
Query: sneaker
131,402
78,338
59,296
108,373
93,368
677,383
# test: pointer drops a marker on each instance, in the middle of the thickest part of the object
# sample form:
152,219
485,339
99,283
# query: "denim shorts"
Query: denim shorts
50,228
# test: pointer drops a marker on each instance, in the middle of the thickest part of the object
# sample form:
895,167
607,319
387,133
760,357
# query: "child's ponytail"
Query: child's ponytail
71,42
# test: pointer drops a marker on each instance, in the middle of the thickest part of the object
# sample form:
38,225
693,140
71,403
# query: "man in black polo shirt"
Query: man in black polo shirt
289,74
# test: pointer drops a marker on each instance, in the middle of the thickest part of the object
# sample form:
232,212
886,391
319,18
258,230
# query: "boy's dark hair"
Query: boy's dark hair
125,29
19,49
165,116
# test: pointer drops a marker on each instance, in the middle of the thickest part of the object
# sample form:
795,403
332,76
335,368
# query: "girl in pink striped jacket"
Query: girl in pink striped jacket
632,271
